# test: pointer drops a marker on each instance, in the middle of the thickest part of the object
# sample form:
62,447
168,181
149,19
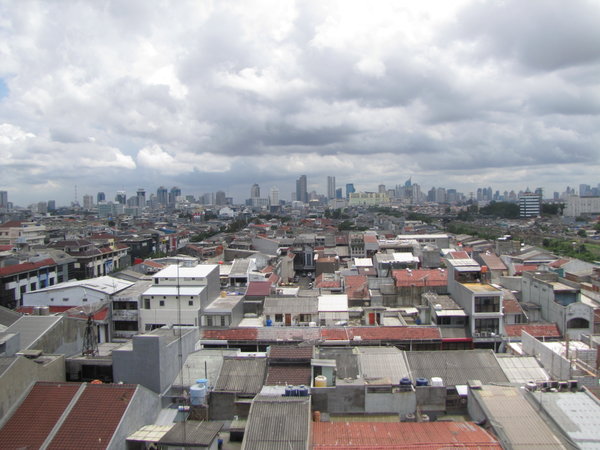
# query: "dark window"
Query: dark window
161,303
487,304
191,303
146,303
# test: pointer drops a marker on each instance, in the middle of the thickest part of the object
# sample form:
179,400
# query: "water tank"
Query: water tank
405,381
422,382
437,381
198,394
44,311
269,322
302,391
288,391
320,381
424,418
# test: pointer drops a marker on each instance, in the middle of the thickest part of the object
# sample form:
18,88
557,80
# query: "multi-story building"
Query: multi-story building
530,205
330,187
481,301
576,206
27,233
93,261
178,295
301,189
162,196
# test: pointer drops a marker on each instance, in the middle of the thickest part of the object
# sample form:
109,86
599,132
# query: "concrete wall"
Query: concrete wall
557,366
431,399
399,402
221,405
143,410
152,361
18,378
65,338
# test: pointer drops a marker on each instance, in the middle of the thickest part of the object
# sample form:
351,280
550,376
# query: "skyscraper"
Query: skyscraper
175,192
3,200
255,191
330,187
88,202
162,196
274,196
100,197
301,189
220,198
121,197
141,197
349,189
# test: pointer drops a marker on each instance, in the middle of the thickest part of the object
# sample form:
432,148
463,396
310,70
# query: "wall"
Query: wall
221,405
143,410
18,378
65,337
556,366
400,402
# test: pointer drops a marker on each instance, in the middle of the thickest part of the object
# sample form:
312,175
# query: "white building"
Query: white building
22,233
178,295
333,309
576,206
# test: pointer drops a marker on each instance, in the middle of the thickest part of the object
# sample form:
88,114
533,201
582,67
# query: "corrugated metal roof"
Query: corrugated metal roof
32,327
457,366
191,432
278,423
515,421
382,363
290,305
387,435
242,375
521,369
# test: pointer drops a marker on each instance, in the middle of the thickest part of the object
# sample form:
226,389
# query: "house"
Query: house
54,415
279,422
291,311
178,295
93,261
223,312
333,309
240,380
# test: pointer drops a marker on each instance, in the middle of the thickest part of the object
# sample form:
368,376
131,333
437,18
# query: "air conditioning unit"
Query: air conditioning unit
476,334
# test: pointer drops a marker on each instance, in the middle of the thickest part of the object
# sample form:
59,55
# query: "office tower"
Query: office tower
51,205
530,204
349,189
301,189
338,193
330,187
42,207
88,202
162,196
141,197
274,196
173,194
3,200
381,189
255,191
121,197
100,197
220,198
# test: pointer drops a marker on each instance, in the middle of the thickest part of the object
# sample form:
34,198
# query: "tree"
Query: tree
581,232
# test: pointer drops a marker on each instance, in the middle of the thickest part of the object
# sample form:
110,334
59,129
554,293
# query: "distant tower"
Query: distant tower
121,197
220,198
349,189
175,192
141,197
3,200
274,196
162,196
255,191
100,197
301,189
330,187
88,202
381,189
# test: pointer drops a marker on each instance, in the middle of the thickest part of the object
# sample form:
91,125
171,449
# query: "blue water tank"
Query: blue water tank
405,381
303,391
269,322
422,381
288,391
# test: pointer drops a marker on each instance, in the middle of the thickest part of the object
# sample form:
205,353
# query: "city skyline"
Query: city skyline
218,96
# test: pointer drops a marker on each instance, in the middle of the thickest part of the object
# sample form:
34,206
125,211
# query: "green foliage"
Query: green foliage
564,247
473,230
552,209
501,209
581,233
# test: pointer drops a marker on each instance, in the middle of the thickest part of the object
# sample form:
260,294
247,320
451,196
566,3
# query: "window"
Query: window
487,304
51,299
66,299
208,321
278,317
84,299
146,303
161,303
486,326
156,281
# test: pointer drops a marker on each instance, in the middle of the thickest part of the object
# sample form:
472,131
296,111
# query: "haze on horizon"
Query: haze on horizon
208,96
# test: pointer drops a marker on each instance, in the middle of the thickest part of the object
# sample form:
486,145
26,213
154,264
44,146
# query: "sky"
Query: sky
219,95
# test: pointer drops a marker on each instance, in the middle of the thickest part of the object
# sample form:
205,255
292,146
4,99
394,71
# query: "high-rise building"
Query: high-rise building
338,193
3,200
121,197
349,189
330,187
88,202
530,204
51,205
220,198
255,191
274,196
301,189
42,207
141,197
162,196
173,194
100,197
381,189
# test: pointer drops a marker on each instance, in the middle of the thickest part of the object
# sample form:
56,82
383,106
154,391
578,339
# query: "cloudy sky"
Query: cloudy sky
218,95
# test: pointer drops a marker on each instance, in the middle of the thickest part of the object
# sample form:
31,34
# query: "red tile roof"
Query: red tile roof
26,267
283,375
52,308
11,224
259,288
231,334
458,255
398,435
286,352
6,248
549,330
32,422
381,333
520,268
511,306
94,418
370,238
420,277
357,287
